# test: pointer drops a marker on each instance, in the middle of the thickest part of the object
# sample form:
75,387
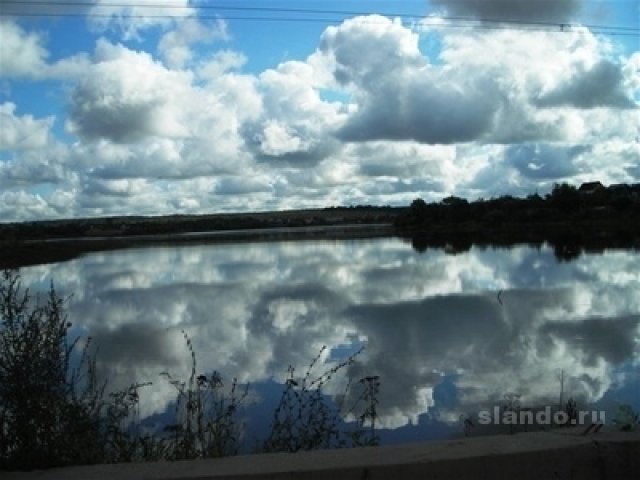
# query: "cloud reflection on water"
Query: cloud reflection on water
253,309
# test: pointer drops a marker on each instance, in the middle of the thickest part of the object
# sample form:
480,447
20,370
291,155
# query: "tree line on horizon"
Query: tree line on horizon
565,203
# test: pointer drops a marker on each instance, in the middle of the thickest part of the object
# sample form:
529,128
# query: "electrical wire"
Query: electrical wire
302,15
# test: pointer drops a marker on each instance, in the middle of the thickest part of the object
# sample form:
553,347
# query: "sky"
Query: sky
150,107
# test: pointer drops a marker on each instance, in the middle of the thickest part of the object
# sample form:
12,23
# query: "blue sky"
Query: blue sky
158,107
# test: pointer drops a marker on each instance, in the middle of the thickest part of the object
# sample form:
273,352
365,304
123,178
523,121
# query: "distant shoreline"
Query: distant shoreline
232,235
130,226
568,220
568,240
53,250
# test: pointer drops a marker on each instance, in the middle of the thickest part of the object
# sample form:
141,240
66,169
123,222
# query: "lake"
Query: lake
448,335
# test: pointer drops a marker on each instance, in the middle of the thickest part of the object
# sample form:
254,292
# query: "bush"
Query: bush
206,423
54,412
49,408
306,419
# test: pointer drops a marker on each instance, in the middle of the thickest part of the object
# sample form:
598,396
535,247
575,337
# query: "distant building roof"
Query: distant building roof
589,187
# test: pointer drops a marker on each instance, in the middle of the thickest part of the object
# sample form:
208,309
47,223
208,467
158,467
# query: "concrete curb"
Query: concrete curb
539,455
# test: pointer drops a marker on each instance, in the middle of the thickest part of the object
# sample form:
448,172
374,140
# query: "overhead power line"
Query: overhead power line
307,15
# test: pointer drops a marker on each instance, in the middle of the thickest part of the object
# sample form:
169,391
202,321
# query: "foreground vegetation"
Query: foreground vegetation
54,411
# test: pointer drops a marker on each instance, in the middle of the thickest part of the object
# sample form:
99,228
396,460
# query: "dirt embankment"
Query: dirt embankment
541,455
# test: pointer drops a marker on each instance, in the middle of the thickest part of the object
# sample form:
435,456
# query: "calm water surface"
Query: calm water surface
447,334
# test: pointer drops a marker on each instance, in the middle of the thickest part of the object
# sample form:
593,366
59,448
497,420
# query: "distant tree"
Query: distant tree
535,198
418,206
455,201
418,211
456,209
565,196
